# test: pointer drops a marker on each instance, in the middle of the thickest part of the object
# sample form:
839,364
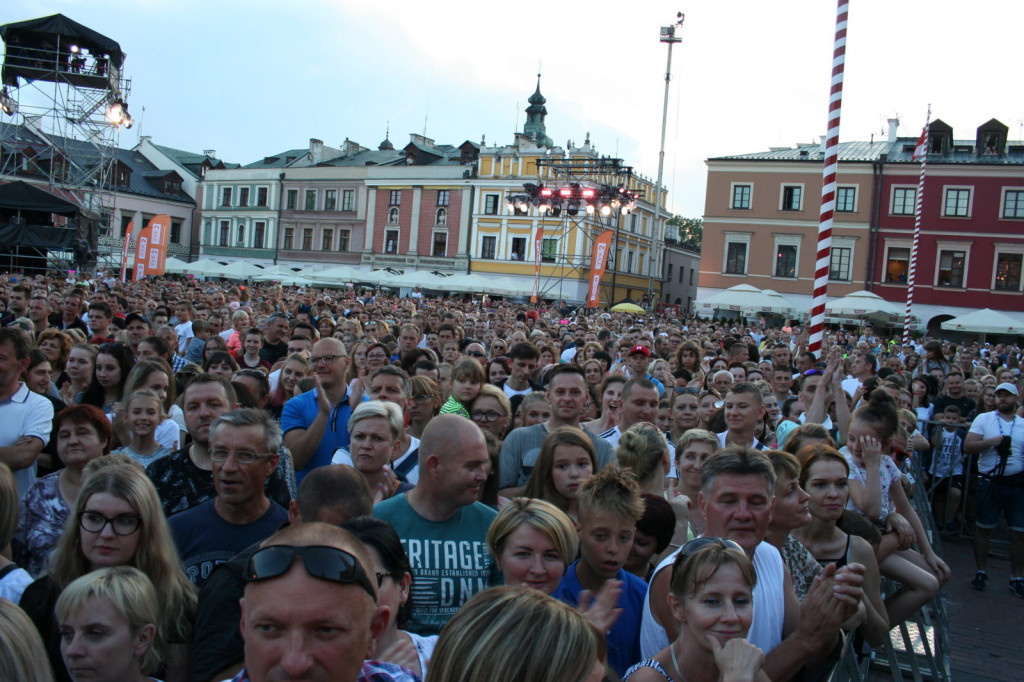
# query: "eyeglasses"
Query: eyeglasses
475,354
241,456
422,398
320,561
486,417
686,389
122,524
376,356
324,359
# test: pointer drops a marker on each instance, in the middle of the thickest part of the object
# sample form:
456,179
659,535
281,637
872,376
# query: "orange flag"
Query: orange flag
151,248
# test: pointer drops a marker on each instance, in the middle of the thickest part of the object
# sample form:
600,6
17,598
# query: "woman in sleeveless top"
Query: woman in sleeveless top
824,474
712,600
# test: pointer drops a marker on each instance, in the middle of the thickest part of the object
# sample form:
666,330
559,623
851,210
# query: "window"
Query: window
225,196
243,196
629,261
395,197
126,220
548,250
440,246
518,248
846,199
903,199
681,271
785,260
950,271
261,196
292,202
741,197
491,204
327,241
240,238
957,202
441,219
1007,275
343,239
348,200
634,222
307,239
442,197
1013,203
289,238
392,216
175,231
735,258
310,200
839,269
792,195
692,273
391,241
488,247
330,199
225,229
897,264
668,275
258,234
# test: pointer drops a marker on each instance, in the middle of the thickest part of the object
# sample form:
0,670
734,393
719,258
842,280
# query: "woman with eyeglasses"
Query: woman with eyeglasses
83,433
117,520
114,362
377,355
395,578
492,411
712,601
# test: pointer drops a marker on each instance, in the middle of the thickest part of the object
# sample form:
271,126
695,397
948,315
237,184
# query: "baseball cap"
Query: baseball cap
1008,387
132,317
640,349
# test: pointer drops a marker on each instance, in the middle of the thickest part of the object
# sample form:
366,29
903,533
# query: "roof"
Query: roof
191,161
848,151
962,152
281,160
86,154
32,30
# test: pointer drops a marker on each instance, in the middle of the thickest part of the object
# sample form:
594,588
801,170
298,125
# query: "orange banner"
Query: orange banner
124,252
538,247
598,262
151,248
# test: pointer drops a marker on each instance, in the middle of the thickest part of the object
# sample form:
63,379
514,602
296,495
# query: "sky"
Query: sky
249,79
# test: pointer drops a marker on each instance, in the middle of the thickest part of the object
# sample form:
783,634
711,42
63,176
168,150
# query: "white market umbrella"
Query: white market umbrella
985,321
173,266
240,269
292,280
337,273
862,304
746,299
203,268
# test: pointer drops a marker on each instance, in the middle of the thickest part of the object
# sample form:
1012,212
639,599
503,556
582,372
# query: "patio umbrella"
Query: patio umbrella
746,299
626,307
240,269
203,268
173,266
985,321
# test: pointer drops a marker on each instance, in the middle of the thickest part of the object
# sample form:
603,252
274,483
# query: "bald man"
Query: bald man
442,524
300,620
315,423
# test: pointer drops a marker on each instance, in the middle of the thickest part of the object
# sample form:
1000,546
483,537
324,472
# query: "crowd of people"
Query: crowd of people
217,481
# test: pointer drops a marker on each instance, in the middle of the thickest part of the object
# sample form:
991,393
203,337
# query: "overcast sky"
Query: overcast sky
252,78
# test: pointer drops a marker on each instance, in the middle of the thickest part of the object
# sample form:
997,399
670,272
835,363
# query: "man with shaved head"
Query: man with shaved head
442,524
310,609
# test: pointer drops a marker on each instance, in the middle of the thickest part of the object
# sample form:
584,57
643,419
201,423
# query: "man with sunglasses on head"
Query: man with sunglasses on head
310,610
737,499
244,447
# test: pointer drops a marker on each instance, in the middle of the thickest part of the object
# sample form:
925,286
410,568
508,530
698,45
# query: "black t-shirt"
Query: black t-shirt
272,352
966,405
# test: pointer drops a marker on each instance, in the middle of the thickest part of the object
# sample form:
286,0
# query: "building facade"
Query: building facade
762,214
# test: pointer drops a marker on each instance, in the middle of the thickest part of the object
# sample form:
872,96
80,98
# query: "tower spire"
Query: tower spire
535,128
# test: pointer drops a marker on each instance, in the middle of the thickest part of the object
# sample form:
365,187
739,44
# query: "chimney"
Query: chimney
894,124
212,153
821,143
421,140
351,147
316,151
146,138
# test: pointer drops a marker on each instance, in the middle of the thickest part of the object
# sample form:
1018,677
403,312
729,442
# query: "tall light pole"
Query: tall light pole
668,35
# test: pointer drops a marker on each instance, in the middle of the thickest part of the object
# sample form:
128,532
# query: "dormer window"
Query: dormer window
991,138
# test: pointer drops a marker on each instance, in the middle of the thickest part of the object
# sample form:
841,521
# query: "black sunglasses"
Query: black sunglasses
686,389
326,563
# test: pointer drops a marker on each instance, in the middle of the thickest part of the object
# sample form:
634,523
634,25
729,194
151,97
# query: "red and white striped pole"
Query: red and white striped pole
828,185
920,152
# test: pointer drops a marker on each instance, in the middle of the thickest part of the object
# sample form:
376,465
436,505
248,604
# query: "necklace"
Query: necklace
675,662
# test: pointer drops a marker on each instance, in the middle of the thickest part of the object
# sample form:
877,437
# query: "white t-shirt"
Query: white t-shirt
25,414
185,334
990,425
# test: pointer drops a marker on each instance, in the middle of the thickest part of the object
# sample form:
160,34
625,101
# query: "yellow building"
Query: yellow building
504,234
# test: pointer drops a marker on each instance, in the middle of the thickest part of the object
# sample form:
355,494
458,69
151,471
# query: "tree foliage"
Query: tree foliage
690,230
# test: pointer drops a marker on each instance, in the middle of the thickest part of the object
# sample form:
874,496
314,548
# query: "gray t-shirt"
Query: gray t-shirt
521,448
